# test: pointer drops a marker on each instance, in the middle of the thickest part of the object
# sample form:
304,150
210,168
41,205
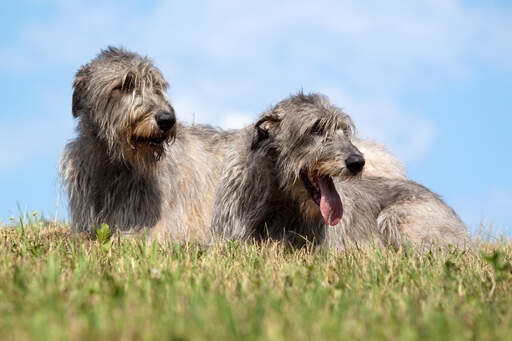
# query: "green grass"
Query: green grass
58,285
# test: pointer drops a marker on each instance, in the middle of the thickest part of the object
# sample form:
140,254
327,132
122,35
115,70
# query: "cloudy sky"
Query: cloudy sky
430,79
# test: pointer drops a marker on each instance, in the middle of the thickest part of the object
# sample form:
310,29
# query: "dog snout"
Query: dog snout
165,120
355,163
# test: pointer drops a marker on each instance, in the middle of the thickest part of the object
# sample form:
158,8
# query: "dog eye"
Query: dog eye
316,129
129,83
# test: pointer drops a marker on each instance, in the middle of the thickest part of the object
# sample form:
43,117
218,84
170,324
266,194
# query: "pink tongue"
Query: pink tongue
330,202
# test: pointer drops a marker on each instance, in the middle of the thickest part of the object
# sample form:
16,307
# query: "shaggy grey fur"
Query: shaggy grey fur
122,169
265,188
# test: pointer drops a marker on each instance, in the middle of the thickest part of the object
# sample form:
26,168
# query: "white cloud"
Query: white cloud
236,120
408,136
491,210
392,33
372,49
195,110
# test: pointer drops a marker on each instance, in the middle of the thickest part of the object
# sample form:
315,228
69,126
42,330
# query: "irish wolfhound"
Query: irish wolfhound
122,169
277,182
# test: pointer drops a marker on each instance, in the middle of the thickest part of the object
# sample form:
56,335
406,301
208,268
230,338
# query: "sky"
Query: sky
432,80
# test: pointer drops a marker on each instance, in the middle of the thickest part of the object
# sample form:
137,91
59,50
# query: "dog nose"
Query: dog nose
165,120
355,163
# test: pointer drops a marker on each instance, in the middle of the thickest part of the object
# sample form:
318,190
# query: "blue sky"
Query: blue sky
430,79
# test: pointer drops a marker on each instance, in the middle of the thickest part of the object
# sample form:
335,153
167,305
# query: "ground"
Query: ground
58,285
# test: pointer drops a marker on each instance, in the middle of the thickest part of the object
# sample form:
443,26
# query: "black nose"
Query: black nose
165,120
355,163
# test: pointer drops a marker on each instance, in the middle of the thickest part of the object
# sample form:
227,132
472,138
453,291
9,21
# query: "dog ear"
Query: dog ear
79,84
263,129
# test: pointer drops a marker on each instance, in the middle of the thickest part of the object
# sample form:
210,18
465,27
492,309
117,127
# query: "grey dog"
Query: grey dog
133,167
278,182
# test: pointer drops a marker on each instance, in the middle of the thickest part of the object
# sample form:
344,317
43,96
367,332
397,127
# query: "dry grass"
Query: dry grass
57,285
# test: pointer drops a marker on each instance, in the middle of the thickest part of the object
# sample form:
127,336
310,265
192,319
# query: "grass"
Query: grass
58,285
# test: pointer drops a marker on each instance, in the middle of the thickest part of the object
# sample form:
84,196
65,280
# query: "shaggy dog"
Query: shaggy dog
133,167
278,182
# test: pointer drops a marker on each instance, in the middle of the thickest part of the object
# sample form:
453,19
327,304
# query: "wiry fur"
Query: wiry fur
167,187
115,98
395,212
111,178
261,195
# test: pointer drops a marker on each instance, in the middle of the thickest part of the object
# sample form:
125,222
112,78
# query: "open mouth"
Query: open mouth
324,194
150,140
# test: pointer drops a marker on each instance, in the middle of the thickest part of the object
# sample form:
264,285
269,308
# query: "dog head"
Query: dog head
310,142
120,99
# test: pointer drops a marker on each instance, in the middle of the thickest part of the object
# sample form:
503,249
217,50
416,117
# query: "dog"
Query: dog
279,183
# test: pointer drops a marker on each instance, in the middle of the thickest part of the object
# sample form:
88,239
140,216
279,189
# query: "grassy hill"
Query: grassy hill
58,285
